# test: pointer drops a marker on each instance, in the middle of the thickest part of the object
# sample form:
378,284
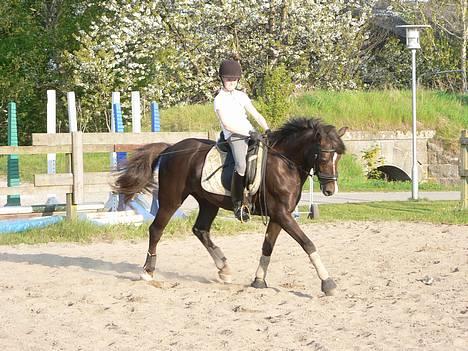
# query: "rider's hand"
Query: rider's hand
254,135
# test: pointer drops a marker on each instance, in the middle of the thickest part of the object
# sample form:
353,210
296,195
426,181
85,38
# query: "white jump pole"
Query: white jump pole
72,121
136,112
51,129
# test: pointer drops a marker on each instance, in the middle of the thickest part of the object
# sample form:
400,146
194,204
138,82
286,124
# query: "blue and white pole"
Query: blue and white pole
155,127
13,176
155,120
113,202
121,156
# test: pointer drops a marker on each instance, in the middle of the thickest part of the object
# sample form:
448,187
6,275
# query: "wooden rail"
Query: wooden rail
75,183
464,168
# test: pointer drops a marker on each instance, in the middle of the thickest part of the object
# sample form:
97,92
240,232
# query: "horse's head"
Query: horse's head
312,144
327,156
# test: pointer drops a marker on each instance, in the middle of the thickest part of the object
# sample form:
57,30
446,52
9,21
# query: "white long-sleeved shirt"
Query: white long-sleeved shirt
231,109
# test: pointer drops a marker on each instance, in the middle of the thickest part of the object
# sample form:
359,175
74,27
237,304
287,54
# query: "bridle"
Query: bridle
324,177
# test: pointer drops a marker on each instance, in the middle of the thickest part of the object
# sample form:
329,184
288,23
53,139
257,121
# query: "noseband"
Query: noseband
323,177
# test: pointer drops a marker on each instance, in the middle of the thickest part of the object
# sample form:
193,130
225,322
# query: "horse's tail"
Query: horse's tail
136,174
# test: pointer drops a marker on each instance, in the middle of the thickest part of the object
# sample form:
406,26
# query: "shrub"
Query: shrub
274,100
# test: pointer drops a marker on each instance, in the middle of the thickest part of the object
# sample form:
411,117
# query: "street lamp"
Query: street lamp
412,43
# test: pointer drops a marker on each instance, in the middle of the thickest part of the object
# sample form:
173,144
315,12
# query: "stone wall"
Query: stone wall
436,163
442,163
395,148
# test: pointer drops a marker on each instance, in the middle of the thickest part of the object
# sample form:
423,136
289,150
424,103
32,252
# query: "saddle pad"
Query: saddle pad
212,174
212,170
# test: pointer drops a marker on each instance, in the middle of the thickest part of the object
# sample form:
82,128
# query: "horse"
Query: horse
297,147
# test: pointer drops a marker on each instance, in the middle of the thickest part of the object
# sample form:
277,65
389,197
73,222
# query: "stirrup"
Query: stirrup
242,213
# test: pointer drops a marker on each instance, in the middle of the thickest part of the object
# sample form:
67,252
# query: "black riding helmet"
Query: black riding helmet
230,69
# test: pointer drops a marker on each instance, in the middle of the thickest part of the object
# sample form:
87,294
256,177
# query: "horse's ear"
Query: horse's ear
342,131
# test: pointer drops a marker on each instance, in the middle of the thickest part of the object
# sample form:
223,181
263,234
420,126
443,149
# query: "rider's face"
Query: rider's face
230,84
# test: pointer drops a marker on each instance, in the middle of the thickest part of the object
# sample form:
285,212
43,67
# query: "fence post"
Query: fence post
77,167
464,168
13,177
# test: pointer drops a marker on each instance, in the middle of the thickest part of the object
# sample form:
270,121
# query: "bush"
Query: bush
274,100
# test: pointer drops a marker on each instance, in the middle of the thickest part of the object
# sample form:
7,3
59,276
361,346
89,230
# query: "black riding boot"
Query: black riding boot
237,194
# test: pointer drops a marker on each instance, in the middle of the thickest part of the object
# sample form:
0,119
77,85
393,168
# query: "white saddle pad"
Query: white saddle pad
211,173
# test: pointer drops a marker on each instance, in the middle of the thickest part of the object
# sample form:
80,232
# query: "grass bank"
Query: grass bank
437,212
445,113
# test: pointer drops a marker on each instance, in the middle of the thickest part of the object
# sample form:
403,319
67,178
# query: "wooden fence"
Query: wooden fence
76,183
464,168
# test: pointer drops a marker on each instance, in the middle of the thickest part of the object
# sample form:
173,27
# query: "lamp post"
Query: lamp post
412,43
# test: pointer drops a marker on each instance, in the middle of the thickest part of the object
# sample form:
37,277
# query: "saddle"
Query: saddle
219,166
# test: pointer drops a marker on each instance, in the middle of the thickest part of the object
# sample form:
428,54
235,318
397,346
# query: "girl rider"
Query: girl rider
231,107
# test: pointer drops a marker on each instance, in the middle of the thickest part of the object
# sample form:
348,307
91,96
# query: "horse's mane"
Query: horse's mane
295,128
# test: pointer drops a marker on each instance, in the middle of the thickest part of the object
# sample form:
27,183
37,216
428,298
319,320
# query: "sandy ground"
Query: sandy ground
402,287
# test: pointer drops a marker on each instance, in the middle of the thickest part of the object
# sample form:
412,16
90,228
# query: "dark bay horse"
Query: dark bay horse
297,147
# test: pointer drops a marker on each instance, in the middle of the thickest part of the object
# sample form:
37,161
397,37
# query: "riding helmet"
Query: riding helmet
230,69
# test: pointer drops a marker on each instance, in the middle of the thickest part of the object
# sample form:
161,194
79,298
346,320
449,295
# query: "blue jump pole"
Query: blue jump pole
155,127
121,156
155,120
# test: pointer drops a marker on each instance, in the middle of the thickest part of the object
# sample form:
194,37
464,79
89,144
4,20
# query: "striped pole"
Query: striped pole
121,156
155,120
119,128
113,202
13,177
155,127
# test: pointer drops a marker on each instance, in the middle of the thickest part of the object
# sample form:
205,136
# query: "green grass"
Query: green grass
437,212
447,212
85,232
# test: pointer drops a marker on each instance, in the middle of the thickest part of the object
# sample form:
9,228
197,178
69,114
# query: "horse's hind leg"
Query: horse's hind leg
271,235
201,229
155,232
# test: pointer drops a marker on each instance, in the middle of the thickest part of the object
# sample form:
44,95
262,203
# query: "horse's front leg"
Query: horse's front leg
290,225
271,235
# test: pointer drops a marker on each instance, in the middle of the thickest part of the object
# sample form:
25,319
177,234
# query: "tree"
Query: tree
170,51
444,46
33,35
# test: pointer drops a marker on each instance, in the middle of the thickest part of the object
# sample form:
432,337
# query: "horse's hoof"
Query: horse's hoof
146,276
226,278
329,287
225,275
259,284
